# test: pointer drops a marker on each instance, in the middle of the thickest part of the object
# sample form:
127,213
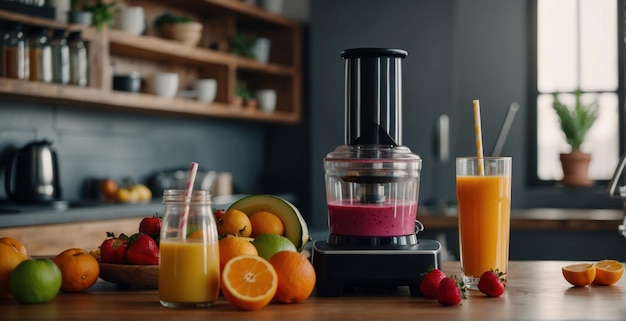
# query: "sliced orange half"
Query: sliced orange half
249,282
581,274
608,272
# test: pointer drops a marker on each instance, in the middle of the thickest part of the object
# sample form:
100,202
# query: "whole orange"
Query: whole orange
264,222
80,270
109,188
12,253
232,246
234,222
296,276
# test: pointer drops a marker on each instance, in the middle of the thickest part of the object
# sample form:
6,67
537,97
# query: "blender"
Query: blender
372,187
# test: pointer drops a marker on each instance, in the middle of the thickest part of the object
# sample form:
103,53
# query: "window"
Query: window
577,47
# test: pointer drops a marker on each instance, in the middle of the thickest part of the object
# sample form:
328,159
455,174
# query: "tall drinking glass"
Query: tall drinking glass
483,187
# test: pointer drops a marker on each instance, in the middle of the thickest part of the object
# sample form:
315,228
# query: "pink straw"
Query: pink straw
182,228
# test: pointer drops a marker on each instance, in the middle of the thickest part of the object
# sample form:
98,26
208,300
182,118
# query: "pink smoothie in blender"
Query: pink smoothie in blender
377,220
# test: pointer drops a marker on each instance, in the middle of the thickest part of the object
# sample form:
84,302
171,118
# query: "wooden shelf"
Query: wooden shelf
75,97
152,53
154,48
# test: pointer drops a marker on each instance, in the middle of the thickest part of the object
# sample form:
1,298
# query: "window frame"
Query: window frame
533,92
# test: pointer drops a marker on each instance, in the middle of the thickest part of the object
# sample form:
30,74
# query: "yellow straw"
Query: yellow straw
479,138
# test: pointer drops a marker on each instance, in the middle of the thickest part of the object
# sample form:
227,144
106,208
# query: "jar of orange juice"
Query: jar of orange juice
189,270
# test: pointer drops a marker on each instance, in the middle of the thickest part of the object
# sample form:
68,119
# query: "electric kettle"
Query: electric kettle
32,174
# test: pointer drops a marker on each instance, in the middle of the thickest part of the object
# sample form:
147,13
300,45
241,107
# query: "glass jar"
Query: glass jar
78,59
189,269
60,58
15,52
40,52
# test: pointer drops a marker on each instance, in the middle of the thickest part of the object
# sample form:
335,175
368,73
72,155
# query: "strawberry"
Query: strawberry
151,226
450,291
218,214
430,282
492,283
142,250
113,249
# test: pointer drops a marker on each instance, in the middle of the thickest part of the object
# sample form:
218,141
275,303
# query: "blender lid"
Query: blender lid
373,52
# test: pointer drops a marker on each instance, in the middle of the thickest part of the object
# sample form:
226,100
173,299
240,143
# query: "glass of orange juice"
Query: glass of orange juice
189,270
483,188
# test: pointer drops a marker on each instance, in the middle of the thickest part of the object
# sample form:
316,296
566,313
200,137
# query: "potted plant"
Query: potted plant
88,12
243,95
180,28
243,45
575,123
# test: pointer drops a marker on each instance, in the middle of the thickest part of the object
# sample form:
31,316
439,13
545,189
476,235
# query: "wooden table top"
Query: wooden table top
536,291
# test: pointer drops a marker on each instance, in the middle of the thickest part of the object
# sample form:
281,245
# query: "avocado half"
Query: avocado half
296,229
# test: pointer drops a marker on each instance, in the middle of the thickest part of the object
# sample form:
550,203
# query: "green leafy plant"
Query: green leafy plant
576,121
241,90
170,18
242,45
103,13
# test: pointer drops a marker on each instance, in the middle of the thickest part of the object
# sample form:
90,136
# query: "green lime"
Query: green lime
270,244
35,281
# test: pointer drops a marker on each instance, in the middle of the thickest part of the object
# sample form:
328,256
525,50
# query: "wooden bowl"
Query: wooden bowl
126,275
189,33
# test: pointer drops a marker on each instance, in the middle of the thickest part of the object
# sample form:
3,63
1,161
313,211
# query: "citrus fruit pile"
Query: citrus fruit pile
604,272
261,237
31,281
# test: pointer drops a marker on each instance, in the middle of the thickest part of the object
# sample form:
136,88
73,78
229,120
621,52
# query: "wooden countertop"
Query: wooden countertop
536,291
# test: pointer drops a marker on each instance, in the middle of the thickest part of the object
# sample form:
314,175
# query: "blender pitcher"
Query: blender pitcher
372,181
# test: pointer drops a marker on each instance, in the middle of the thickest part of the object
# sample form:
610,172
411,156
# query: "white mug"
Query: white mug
266,99
261,50
206,89
131,20
165,84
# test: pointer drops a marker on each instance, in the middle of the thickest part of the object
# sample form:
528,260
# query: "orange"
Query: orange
581,274
79,269
249,282
608,272
12,253
234,222
296,276
266,223
232,246
109,188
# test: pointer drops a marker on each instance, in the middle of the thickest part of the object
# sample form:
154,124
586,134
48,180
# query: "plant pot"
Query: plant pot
576,169
80,17
189,33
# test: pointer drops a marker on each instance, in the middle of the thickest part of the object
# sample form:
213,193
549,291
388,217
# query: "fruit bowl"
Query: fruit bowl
127,275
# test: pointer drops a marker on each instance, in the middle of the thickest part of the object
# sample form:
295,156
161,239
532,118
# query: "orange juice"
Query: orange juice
484,216
186,279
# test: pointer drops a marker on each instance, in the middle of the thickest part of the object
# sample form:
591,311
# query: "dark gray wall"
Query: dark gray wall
458,51
99,143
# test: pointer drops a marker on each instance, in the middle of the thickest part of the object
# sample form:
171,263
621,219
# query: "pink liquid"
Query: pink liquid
388,219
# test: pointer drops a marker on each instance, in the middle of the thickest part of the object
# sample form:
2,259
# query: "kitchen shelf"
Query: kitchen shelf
154,54
90,98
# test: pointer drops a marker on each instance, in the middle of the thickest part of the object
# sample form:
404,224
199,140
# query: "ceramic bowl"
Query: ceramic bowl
188,33
129,83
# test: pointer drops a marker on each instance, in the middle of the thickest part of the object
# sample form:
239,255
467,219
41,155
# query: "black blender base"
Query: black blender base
340,267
